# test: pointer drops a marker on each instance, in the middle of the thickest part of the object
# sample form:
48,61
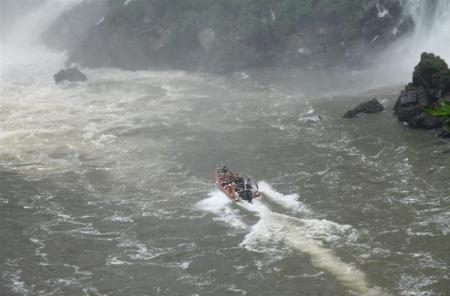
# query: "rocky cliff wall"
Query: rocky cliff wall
226,36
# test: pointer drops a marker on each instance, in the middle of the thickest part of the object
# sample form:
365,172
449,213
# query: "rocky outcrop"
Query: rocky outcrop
70,74
372,106
431,82
227,36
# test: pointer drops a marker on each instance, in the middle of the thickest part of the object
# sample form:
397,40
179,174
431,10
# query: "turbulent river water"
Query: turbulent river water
106,187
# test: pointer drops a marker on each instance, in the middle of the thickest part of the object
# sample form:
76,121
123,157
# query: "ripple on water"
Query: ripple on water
13,277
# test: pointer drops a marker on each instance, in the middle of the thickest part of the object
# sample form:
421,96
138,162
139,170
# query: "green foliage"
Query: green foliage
432,72
442,111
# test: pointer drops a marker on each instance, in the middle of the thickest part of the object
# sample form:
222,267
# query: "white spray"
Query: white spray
289,201
305,235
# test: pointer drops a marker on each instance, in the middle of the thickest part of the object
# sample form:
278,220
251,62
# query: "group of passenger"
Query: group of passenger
233,182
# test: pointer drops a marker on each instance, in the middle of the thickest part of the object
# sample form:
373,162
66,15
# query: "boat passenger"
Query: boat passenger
248,195
229,188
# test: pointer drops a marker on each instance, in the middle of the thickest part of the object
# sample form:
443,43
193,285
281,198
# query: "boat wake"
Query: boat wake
220,205
289,202
277,233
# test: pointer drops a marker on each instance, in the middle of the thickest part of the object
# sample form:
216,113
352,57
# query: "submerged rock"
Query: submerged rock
70,74
372,106
431,82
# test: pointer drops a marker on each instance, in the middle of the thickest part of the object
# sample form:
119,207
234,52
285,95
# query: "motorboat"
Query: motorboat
235,186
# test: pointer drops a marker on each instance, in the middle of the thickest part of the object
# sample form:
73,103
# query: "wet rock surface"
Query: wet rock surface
372,106
70,74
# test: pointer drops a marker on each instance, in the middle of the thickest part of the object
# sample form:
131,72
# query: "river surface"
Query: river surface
106,187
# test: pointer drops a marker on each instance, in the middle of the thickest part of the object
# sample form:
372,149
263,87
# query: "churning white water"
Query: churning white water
276,233
431,33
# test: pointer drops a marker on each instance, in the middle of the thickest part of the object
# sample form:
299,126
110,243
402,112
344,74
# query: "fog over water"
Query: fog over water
106,186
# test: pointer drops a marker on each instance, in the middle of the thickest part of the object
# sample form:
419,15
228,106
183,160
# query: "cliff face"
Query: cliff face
72,27
224,35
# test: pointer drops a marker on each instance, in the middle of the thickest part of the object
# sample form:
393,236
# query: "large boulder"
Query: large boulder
372,106
70,74
431,82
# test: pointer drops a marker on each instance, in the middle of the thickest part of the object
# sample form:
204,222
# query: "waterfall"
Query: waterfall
28,24
432,19
22,57
431,33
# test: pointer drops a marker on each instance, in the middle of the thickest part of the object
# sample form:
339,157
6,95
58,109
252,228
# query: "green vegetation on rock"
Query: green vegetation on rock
419,103
432,73
443,110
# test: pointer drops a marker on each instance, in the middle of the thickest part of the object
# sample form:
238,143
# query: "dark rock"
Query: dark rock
426,121
445,134
432,73
411,103
70,74
431,81
372,106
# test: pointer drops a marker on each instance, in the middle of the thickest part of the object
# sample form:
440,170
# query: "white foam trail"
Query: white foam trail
219,204
274,228
275,232
289,201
